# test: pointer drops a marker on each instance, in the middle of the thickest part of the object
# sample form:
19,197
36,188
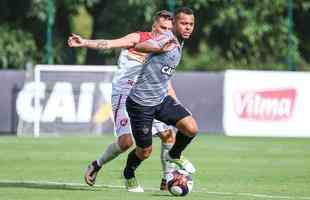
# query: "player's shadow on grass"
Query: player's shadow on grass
45,186
161,195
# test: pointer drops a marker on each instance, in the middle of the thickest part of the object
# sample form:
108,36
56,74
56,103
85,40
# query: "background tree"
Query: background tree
17,43
238,34
242,34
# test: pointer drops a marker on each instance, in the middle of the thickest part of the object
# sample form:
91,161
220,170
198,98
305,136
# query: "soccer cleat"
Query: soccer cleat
91,173
132,185
163,185
182,163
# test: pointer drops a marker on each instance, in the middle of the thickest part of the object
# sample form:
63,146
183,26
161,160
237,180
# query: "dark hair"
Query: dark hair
163,13
185,10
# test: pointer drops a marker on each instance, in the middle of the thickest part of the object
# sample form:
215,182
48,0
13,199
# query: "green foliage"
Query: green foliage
116,20
81,23
39,10
228,33
241,34
148,7
17,47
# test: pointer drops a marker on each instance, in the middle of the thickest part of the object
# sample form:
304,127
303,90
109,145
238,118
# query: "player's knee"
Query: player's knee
167,136
188,126
147,152
170,138
144,153
125,146
192,129
125,142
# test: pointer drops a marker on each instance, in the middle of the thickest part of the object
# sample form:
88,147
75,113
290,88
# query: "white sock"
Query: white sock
111,152
166,166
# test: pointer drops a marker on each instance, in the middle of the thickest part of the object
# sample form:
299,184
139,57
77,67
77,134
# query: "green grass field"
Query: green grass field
227,169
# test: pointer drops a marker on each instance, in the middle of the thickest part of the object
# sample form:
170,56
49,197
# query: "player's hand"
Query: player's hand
76,41
169,46
167,42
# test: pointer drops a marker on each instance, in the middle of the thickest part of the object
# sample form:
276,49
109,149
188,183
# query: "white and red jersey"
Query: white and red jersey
129,66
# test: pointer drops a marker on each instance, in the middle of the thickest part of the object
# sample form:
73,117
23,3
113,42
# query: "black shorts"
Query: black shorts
141,118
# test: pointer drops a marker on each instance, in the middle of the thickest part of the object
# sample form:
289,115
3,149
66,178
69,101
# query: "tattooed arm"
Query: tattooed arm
127,41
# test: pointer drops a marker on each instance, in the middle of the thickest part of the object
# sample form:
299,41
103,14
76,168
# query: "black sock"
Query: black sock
181,142
132,164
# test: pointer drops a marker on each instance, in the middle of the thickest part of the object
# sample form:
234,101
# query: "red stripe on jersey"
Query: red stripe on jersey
117,107
136,55
143,37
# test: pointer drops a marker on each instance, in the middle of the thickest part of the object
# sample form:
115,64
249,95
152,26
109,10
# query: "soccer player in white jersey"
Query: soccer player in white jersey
149,99
129,64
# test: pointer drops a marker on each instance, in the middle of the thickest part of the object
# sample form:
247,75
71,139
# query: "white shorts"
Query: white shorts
121,118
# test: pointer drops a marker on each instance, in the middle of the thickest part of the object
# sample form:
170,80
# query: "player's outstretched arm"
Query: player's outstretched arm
156,46
148,47
127,41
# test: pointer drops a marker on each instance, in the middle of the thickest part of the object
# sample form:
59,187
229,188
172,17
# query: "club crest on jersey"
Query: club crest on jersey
130,82
168,70
145,130
124,121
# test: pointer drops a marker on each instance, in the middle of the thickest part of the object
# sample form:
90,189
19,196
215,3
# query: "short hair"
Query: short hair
185,10
163,13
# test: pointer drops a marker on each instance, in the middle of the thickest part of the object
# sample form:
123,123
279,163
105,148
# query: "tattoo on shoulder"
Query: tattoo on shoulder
102,44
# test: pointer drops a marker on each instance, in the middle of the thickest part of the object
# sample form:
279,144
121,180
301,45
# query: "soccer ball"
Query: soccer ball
180,182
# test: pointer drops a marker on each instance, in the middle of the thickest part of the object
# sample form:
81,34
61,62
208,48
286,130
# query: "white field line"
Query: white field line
67,184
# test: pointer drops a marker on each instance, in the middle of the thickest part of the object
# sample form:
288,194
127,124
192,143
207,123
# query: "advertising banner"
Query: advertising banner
12,82
266,103
76,100
67,100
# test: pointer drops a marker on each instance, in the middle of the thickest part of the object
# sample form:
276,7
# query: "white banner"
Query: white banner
67,99
266,103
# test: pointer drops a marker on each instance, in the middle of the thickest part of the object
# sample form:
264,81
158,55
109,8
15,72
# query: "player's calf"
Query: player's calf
174,155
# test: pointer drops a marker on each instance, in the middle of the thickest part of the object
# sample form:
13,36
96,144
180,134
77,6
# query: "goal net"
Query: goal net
67,99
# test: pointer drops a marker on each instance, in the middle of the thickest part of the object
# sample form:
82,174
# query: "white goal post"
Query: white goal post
56,70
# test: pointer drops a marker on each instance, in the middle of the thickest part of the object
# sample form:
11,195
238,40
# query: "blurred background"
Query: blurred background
229,34
246,35
244,72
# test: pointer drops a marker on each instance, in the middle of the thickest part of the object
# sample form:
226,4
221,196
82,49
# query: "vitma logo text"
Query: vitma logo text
266,105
